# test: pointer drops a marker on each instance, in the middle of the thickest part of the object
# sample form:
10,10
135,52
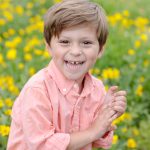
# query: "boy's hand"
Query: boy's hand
119,103
113,107
117,100
103,122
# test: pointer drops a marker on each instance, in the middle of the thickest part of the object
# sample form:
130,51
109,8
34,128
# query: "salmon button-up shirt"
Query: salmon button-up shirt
49,109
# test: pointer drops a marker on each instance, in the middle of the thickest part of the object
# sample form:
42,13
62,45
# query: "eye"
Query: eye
64,42
87,42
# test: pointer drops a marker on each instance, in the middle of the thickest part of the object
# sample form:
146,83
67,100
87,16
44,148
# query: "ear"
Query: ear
48,47
101,50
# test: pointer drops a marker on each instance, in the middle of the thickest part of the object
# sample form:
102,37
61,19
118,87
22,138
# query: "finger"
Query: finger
113,117
119,109
120,93
109,96
111,112
112,89
112,128
120,98
118,103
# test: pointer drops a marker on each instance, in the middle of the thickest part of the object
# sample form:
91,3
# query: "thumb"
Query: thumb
112,128
112,89
109,94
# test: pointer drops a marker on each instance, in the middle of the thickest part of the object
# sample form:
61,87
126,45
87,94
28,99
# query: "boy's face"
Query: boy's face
75,51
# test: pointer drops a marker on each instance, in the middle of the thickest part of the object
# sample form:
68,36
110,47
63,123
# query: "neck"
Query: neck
80,84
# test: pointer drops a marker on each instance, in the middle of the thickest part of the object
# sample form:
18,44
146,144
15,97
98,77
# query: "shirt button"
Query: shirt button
75,85
64,90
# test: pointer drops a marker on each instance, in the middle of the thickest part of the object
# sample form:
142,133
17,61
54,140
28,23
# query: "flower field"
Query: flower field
126,61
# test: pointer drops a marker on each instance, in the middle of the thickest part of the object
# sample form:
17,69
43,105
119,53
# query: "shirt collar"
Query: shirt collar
64,84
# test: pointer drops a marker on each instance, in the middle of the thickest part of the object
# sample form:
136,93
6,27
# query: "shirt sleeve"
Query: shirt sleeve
38,129
105,141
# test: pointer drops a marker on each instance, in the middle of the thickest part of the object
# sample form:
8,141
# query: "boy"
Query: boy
63,106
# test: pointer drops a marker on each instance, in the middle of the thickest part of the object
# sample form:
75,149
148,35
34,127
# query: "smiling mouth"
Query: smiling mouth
74,62
74,65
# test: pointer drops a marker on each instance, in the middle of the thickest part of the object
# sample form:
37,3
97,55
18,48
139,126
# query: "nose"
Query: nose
76,50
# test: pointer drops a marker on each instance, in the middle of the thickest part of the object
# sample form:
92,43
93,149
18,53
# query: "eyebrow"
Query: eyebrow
83,38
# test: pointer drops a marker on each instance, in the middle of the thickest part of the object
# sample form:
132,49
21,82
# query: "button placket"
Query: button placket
76,115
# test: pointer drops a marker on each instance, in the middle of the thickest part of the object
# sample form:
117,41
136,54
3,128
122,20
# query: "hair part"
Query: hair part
69,13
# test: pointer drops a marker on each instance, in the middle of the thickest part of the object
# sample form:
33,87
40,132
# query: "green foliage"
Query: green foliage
126,61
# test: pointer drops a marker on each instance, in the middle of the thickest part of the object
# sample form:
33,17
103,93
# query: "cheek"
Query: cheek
57,54
93,55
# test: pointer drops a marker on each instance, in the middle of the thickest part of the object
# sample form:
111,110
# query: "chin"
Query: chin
74,76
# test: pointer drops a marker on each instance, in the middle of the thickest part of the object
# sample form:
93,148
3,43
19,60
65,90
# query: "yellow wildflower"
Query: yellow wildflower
146,63
8,112
8,102
28,57
118,16
139,90
1,103
131,52
148,52
91,71
115,139
0,39
106,87
144,37
57,1
1,59
122,118
124,129
19,10
17,40
5,34
125,22
132,66
141,22
46,54
8,15
135,131
112,20
2,22
137,44
111,73
141,79
127,116
131,143
4,130
11,54
10,80
126,13
29,5
20,65
38,52
13,44
13,89
21,32
31,71
11,31
96,71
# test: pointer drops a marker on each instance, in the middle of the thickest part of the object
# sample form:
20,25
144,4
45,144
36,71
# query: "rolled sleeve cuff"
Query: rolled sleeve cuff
59,141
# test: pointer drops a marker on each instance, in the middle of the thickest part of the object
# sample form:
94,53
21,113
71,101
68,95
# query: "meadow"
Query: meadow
126,61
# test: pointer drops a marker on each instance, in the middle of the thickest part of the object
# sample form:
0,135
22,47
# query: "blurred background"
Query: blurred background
126,61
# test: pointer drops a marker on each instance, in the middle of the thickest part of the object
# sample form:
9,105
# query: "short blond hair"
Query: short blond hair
69,13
